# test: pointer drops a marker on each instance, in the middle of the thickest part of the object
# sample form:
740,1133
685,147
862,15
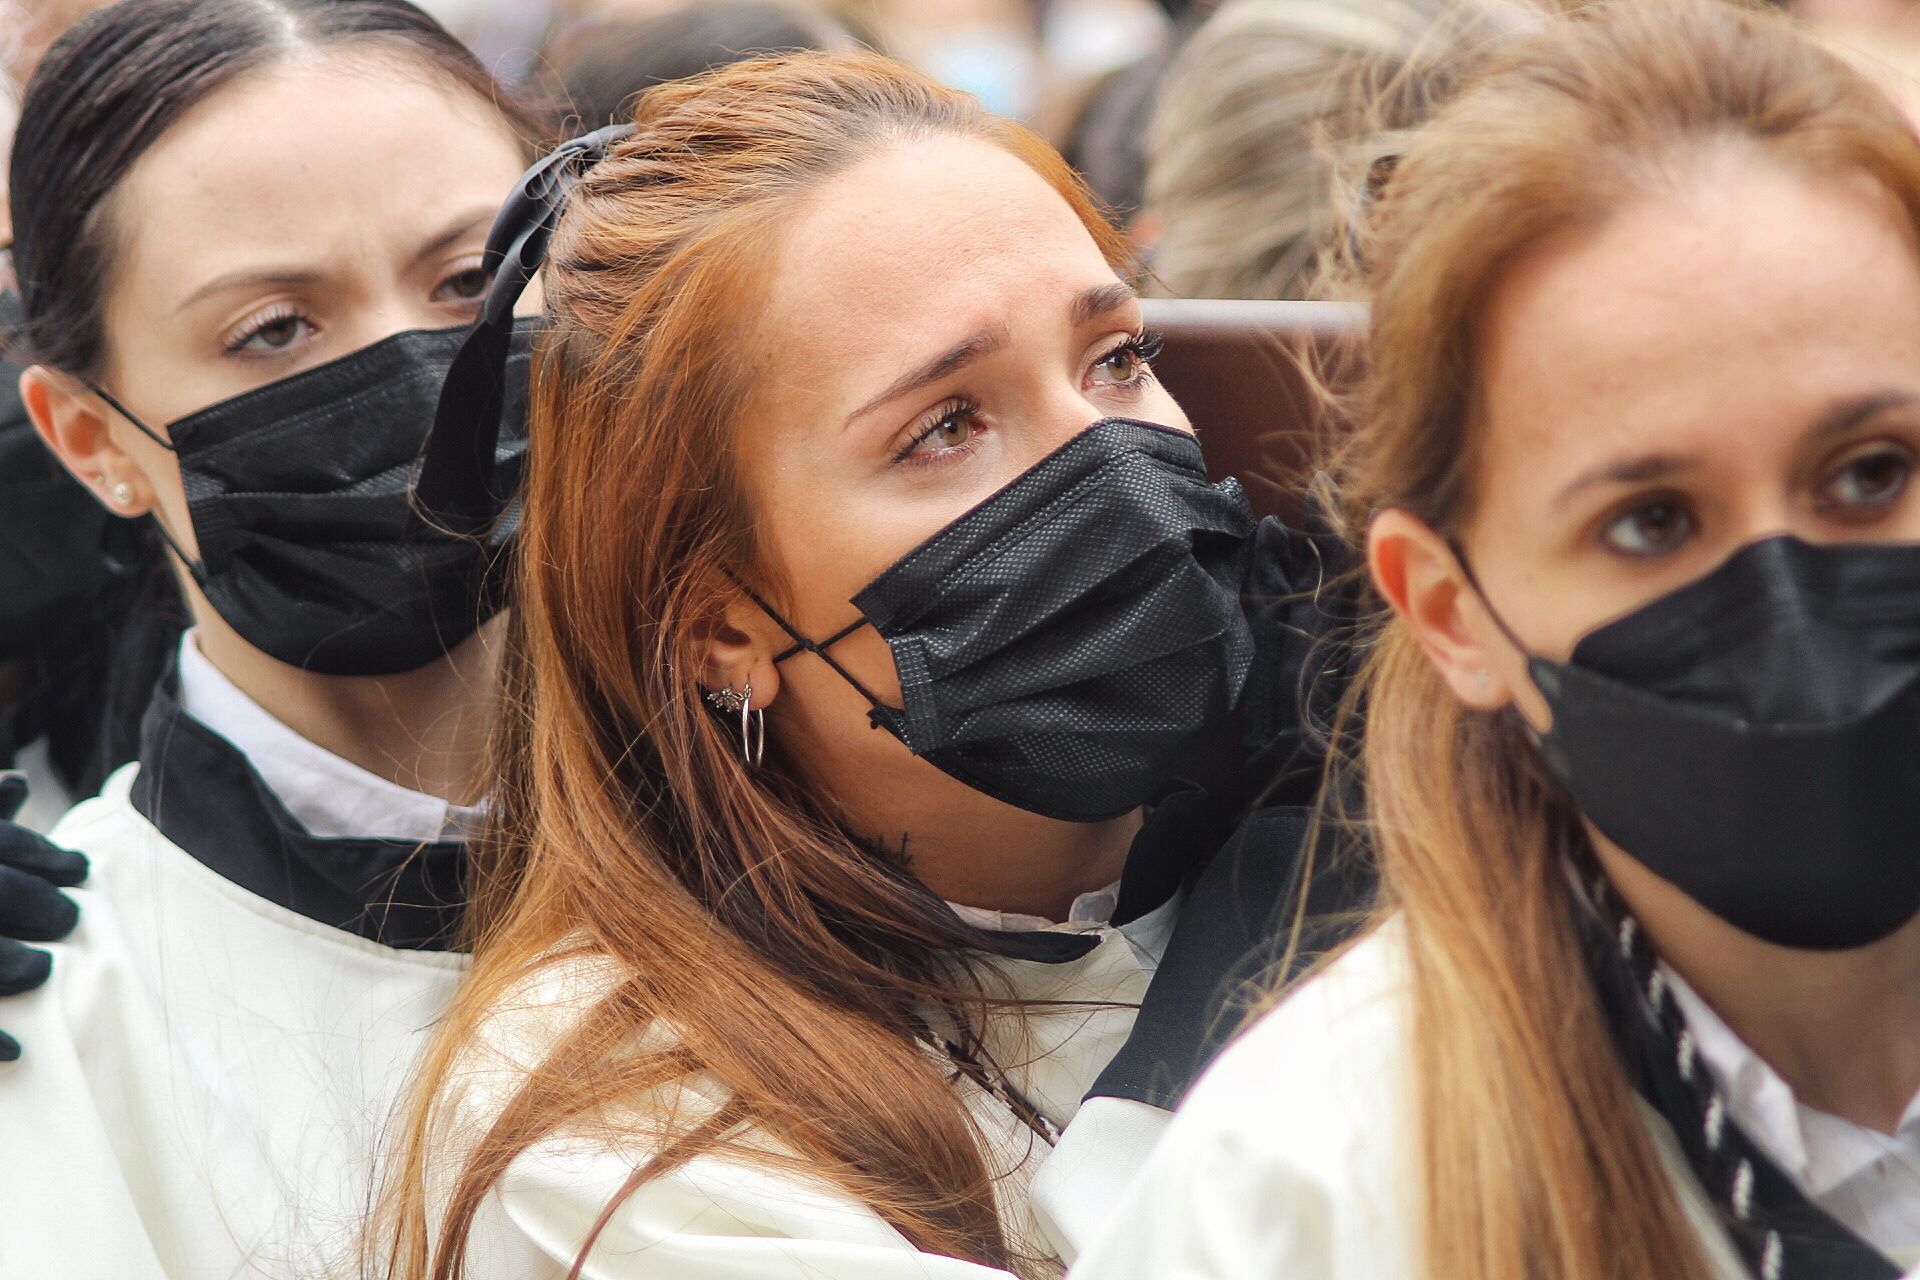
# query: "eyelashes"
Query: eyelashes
962,412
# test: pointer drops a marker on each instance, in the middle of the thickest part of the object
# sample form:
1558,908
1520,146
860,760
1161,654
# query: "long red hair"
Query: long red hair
791,964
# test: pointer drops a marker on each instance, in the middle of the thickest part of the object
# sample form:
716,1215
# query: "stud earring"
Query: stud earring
1483,682
121,493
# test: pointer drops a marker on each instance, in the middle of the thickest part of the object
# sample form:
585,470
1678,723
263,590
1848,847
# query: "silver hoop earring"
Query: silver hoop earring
753,723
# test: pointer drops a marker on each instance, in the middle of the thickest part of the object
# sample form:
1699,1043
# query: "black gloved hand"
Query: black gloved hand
33,870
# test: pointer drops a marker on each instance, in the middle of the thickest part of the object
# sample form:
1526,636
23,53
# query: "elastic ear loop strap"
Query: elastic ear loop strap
456,469
192,565
1473,580
818,648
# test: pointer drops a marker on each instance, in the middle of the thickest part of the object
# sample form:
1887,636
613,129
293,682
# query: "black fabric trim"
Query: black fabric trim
1180,832
1225,951
201,792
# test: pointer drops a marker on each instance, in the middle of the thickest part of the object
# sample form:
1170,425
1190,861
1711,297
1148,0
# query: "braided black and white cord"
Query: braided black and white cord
1775,1228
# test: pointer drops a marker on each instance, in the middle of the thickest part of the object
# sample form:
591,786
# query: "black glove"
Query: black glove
33,870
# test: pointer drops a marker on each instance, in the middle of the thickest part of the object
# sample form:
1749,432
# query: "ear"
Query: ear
740,646
1422,579
78,426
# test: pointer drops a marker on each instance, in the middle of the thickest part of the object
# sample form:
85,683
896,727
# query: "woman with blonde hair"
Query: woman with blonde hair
1260,111
1634,458
869,587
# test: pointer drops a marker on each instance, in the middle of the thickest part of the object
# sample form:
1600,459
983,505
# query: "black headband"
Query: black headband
454,486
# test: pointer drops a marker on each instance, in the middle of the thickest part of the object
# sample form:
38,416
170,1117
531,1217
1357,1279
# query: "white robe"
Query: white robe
1294,1155
717,1219
207,1075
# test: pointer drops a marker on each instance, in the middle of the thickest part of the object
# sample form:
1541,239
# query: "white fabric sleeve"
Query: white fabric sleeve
712,1219
1083,1180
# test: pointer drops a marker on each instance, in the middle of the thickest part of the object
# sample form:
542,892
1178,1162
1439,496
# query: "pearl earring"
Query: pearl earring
122,493
1483,682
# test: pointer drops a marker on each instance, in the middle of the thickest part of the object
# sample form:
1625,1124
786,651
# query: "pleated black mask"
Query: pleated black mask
1754,739
310,546
1070,643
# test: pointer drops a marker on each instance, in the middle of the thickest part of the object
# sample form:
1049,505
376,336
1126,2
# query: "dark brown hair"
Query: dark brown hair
118,80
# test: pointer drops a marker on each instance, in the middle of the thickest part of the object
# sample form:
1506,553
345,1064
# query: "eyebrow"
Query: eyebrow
302,277
1088,304
1840,417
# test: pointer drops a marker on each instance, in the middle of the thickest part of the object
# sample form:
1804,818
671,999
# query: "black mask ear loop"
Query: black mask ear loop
818,648
1486,602
192,566
454,487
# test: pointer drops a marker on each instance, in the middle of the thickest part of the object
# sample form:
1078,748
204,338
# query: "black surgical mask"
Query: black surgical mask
1753,738
1067,645
310,547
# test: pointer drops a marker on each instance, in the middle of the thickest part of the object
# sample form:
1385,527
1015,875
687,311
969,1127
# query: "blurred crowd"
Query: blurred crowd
397,586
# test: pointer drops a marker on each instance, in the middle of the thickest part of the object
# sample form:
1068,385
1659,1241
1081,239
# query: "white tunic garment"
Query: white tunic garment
717,1219
1294,1156
207,1076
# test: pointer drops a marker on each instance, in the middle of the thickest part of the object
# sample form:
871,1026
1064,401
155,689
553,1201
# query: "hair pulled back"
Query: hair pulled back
1533,1156
110,87
789,962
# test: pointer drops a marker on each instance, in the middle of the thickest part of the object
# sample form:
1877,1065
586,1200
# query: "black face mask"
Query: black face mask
1754,739
310,546
1067,645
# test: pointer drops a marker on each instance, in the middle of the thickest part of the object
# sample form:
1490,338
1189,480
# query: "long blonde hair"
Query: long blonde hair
789,963
1533,1158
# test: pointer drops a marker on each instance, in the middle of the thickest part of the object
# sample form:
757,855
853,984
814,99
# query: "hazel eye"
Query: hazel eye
1120,366
1650,528
1866,483
950,432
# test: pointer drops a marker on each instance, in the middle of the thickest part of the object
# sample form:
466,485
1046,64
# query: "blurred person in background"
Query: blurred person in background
248,235
1263,106
594,70
1106,142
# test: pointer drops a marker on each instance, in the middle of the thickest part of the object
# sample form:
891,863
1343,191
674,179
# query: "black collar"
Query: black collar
1179,837
203,795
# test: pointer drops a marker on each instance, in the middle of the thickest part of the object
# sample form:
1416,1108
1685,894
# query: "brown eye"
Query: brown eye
464,286
278,334
1651,528
1867,482
276,331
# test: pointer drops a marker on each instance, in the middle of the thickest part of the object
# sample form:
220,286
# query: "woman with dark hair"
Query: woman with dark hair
248,236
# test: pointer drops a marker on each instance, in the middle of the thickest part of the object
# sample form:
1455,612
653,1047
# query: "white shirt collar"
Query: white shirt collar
1094,907
330,796
1818,1150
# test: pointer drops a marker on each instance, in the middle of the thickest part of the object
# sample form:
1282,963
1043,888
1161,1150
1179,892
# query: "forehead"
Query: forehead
1702,319
309,158
920,243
